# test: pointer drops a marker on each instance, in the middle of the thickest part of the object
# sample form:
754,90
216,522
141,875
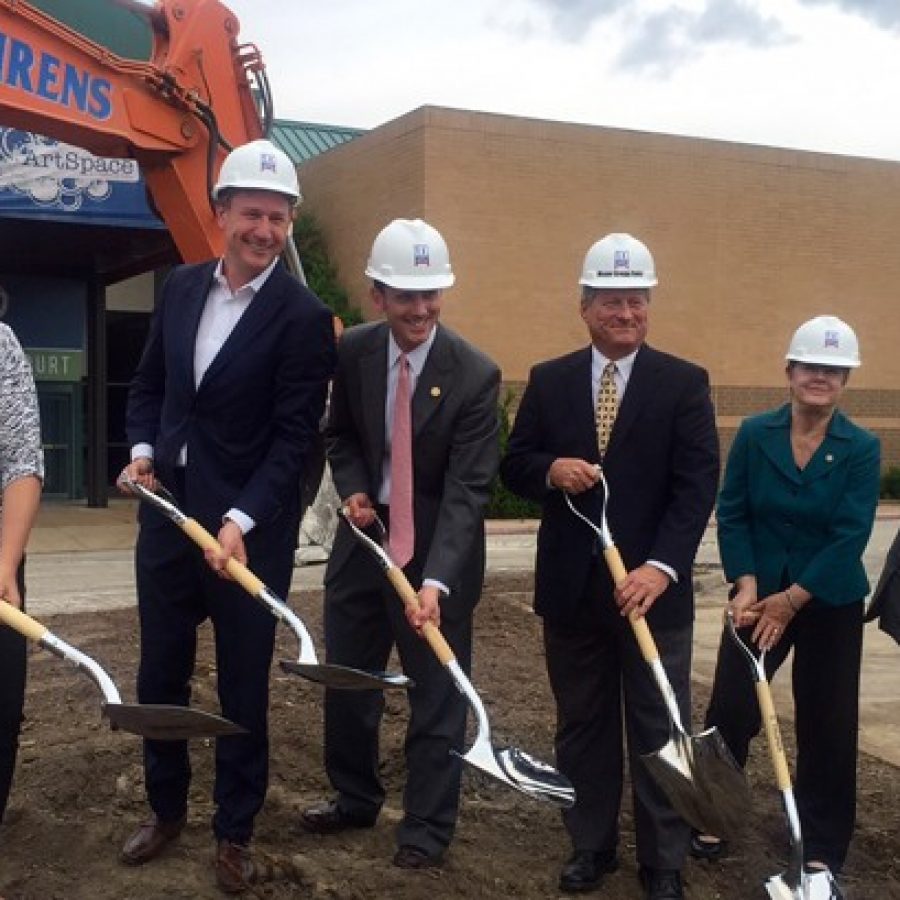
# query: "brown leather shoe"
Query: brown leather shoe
328,818
409,857
234,867
149,840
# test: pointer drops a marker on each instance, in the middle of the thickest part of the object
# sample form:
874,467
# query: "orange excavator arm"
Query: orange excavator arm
176,114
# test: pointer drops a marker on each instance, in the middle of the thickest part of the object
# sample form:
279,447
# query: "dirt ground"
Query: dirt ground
79,791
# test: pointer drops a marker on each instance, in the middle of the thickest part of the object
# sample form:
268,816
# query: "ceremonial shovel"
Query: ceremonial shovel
796,883
307,665
512,766
155,721
697,773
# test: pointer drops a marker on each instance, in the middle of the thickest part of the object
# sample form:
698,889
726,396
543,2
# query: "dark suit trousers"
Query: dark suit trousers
364,619
176,592
595,670
827,643
13,662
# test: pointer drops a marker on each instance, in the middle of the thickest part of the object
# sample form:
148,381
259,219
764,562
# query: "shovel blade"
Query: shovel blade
813,886
168,723
702,781
522,772
346,678
778,889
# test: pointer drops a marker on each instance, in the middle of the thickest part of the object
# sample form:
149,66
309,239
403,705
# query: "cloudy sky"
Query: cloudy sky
814,74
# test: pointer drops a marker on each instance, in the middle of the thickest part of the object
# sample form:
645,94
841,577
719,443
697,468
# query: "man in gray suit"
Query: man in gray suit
425,467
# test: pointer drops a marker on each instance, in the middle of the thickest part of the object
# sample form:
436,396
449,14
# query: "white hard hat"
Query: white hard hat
258,166
410,255
618,261
825,341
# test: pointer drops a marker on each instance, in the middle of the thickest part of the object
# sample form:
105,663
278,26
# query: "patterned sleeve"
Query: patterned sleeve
20,430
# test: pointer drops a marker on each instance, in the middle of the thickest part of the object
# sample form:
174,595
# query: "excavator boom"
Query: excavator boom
177,113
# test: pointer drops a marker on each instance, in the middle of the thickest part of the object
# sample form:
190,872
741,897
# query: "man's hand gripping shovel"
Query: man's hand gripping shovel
697,773
512,766
307,665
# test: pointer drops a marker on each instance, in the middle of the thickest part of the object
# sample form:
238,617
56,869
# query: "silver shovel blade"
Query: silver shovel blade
535,778
168,723
522,772
812,886
344,677
703,783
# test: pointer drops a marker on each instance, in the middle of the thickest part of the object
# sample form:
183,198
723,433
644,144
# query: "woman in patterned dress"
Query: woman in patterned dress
21,477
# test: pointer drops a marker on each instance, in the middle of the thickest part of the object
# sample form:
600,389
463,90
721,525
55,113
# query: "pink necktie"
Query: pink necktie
402,530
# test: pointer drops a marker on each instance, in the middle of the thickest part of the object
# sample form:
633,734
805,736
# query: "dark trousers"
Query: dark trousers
364,619
827,644
597,672
13,662
176,592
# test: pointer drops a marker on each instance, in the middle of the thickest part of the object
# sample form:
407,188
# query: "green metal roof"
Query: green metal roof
304,140
123,31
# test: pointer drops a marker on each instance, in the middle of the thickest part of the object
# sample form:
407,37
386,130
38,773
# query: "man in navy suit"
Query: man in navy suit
224,409
647,417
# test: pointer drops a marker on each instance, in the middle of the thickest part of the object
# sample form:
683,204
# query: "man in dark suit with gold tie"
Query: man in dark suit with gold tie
412,435
646,416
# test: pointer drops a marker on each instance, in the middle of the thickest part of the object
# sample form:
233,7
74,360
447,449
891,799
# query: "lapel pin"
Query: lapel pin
435,391
829,457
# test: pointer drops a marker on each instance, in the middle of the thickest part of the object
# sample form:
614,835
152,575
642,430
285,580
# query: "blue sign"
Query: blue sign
44,179
41,73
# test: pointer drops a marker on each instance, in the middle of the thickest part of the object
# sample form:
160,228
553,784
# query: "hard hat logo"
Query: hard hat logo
621,261
420,255
831,339
268,163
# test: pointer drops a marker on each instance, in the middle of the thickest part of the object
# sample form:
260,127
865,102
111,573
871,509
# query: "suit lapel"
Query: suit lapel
373,388
436,381
833,450
776,444
192,305
641,385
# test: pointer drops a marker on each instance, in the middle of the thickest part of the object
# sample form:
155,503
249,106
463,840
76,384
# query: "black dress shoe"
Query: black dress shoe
327,817
706,848
585,870
662,884
409,857
150,840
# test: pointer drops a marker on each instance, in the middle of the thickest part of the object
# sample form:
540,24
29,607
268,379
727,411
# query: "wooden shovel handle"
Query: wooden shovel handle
773,733
410,600
238,571
19,621
638,623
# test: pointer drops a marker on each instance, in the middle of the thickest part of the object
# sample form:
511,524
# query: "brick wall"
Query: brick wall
749,241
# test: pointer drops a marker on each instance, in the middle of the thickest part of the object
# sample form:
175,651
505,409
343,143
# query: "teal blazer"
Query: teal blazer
812,524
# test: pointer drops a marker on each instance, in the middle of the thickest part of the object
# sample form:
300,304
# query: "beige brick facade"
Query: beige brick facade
749,242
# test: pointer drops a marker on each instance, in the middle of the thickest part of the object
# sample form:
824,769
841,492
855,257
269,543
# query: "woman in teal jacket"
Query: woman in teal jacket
794,517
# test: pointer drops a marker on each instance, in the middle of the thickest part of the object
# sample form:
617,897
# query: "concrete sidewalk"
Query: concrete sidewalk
81,560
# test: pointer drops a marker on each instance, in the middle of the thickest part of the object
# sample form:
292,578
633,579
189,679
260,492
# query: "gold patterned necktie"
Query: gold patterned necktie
607,406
